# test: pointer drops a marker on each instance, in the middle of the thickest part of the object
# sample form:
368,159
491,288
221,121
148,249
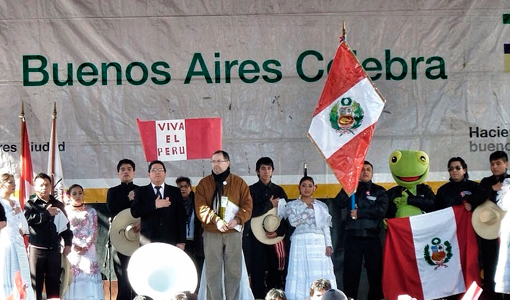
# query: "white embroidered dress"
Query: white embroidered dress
86,282
308,260
13,256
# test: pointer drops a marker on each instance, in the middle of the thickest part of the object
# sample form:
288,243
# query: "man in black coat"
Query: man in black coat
41,210
489,249
363,234
161,209
118,199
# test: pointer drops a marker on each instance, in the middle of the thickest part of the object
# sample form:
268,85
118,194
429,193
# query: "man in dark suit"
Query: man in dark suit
118,199
161,209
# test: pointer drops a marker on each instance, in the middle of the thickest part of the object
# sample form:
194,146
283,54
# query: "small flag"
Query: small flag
345,117
184,139
430,256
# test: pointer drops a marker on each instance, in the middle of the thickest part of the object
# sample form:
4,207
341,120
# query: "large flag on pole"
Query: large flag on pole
184,139
430,256
345,116
26,187
54,162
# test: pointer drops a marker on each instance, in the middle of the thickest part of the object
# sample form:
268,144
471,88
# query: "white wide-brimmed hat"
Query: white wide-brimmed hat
65,275
268,222
122,234
486,220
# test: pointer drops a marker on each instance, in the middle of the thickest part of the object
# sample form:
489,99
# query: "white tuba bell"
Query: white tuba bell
122,233
160,271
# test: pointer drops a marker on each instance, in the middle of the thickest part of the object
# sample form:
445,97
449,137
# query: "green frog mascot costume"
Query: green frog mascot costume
411,196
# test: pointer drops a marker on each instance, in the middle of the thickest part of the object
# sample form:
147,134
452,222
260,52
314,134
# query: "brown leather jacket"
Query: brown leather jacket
237,192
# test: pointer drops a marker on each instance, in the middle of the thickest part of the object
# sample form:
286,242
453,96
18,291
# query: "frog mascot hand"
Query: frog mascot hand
411,197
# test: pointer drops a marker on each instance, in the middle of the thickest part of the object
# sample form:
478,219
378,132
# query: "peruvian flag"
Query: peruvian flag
171,140
345,116
430,256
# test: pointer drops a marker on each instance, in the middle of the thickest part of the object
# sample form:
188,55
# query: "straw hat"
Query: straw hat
65,275
122,235
486,220
268,222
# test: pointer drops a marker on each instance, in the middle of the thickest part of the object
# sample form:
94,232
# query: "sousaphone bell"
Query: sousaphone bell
160,271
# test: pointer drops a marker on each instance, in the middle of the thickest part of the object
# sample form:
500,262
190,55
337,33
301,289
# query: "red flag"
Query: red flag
345,117
430,256
172,140
26,176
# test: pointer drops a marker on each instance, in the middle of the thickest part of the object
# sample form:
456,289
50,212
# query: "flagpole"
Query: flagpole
52,147
344,32
353,195
22,151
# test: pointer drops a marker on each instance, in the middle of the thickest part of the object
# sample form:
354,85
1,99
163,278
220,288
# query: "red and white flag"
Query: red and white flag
26,176
345,116
171,140
430,256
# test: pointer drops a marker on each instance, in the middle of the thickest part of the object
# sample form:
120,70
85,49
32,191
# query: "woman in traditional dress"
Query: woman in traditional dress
86,277
502,276
310,247
13,256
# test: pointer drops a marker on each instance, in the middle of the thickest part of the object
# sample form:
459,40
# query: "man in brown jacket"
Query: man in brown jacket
215,197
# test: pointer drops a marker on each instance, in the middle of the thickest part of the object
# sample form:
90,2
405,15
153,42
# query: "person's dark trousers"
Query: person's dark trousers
120,264
197,260
275,278
45,271
489,252
355,249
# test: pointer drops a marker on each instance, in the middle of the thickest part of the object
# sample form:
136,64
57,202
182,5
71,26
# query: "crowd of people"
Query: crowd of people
247,242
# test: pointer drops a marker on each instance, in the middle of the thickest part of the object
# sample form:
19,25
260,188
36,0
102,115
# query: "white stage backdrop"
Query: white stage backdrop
260,66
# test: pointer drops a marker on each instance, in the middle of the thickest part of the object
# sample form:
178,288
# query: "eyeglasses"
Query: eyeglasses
184,186
217,161
458,168
157,170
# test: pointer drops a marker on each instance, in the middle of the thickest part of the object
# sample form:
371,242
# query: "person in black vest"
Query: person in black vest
489,249
47,219
459,190
161,209
363,229
266,263
119,198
